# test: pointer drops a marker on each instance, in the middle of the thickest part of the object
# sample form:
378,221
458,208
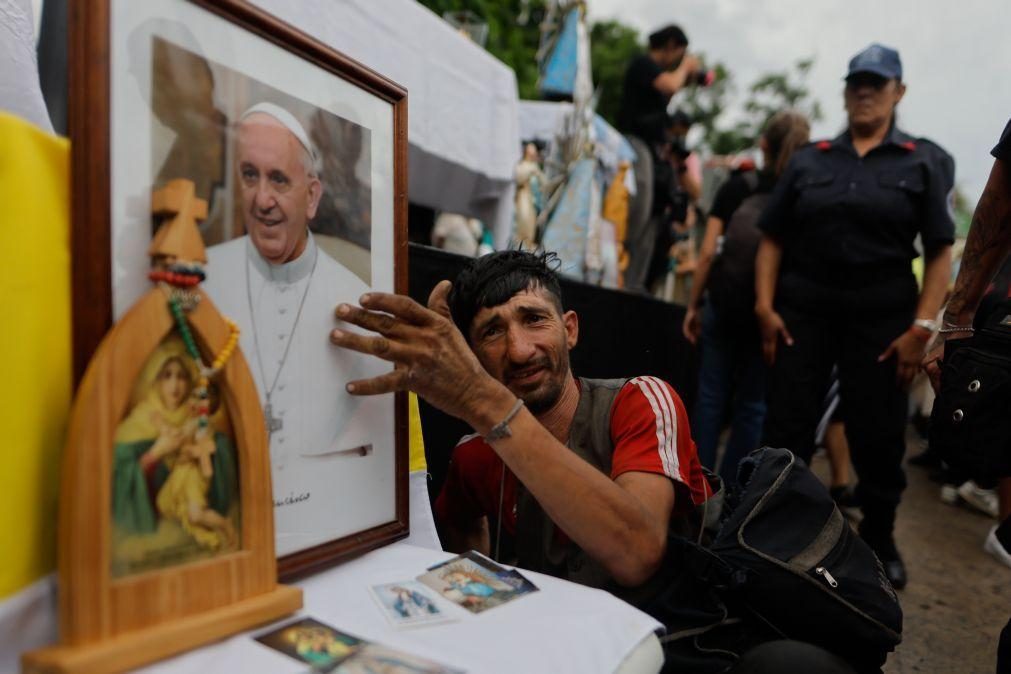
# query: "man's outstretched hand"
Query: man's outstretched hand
429,353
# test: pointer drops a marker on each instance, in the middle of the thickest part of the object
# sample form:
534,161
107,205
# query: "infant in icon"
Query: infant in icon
166,466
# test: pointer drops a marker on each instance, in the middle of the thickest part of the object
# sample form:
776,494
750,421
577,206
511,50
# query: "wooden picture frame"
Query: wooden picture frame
96,215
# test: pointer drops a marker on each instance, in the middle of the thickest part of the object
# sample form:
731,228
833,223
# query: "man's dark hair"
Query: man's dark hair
667,35
494,279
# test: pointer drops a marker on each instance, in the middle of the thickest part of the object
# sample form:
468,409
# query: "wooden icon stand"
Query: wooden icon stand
114,622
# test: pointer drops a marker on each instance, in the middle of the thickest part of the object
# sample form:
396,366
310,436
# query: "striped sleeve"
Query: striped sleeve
649,427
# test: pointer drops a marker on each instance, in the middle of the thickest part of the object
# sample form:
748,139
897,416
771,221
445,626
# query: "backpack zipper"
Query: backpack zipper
822,571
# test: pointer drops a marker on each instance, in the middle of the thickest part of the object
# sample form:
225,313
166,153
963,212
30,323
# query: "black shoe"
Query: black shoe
884,548
895,571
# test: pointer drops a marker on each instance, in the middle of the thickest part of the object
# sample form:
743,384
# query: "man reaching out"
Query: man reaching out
588,476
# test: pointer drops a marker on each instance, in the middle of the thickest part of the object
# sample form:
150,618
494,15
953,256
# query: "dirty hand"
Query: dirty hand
429,353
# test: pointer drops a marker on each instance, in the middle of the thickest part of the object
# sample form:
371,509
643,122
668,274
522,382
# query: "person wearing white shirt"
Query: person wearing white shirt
281,289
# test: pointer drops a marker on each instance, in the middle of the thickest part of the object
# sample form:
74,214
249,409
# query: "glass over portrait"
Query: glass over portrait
296,165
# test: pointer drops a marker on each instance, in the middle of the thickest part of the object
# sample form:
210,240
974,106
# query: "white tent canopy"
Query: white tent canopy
463,127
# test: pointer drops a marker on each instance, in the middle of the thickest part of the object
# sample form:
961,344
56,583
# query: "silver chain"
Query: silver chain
291,335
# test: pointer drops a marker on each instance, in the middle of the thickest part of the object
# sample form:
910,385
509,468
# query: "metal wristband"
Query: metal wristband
950,329
501,429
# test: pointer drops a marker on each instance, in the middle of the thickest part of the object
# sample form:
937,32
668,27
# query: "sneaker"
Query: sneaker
983,500
949,494
993,546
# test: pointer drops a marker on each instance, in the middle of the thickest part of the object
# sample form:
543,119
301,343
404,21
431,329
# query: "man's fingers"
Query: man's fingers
401,306
787,337
384,383
438,301
384,324
380,346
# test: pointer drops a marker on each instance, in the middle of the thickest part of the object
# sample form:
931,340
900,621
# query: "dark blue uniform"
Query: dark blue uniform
846,290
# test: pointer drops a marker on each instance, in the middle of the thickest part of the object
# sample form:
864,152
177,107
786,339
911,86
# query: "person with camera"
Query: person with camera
650,81
834,286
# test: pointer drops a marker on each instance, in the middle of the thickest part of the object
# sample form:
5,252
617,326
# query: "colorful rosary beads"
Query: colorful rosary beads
179,275
202,388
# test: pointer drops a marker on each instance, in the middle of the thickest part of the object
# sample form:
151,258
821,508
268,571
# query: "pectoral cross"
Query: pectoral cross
273,423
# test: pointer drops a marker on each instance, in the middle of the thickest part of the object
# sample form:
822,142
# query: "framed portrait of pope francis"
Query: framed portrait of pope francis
300,155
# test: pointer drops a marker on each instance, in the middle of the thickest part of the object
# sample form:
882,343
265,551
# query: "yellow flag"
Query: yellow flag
35,342
418,461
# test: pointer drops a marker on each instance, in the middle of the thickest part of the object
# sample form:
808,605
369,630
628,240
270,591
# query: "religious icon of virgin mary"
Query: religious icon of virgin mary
174,486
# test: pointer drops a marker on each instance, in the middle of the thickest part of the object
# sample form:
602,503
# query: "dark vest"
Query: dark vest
537,546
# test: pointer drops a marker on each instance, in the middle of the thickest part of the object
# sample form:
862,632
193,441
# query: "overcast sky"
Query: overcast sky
956,57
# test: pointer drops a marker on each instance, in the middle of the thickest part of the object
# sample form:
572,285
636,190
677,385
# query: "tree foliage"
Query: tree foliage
514,37
612,46
513,42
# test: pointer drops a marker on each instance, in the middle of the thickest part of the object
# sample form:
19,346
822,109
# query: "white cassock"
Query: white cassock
323,487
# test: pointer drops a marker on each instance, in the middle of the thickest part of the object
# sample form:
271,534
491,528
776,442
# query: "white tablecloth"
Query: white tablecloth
562,628
19,77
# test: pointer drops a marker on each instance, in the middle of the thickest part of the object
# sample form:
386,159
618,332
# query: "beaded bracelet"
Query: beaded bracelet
949,329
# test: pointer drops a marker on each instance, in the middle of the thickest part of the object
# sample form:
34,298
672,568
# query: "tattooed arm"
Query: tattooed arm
989,242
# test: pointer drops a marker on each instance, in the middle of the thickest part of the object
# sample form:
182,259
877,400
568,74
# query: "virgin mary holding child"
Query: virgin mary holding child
174,486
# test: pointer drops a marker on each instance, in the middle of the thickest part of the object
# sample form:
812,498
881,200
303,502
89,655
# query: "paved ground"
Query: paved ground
958,597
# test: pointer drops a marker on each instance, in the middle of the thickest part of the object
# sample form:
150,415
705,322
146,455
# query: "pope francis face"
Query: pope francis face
280,192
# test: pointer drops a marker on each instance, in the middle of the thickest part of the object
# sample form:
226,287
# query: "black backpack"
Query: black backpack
971,421
784,563
731,283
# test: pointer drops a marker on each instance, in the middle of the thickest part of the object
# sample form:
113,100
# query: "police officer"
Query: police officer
834,285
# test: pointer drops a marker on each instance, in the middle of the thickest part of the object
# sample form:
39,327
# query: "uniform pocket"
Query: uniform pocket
907,181
815,180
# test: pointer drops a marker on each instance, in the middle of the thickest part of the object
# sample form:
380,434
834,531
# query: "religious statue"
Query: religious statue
529,185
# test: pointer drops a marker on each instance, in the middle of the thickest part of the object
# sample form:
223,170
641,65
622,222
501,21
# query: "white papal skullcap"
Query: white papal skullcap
288,120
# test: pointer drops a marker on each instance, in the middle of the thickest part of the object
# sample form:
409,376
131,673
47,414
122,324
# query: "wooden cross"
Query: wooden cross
178,238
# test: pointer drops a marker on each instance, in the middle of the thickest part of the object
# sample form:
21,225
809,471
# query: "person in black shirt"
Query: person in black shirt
731,370
650,80
834,285
986,258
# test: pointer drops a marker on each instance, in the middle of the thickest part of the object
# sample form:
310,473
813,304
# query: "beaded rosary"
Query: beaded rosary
177,279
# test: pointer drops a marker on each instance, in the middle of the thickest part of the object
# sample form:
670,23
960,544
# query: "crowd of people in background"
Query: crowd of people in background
810,324
814,284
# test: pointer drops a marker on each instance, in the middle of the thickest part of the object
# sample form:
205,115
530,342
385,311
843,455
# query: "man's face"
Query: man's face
671,56
870,99
279,197
525,344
